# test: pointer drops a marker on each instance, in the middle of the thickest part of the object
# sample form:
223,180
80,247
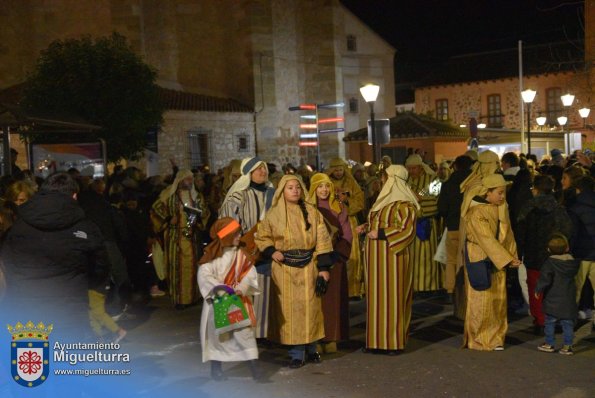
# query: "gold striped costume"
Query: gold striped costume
427,273
485,321
295,310
355,265
181,252
389,277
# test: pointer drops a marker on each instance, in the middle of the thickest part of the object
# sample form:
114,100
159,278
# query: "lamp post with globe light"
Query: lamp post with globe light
528,97
541,121
370,94
584,112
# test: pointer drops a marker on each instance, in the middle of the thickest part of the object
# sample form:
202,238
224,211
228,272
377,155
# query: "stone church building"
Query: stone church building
229,69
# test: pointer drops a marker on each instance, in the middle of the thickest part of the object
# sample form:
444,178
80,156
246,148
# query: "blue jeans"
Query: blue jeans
550,328
299,351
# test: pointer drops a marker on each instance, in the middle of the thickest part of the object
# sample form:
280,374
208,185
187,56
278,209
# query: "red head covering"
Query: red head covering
223,233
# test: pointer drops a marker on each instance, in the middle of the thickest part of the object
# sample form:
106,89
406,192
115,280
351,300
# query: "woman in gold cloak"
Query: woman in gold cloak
294,236
488,235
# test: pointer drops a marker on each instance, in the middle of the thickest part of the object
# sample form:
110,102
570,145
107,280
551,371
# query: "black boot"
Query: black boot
256,370
217,371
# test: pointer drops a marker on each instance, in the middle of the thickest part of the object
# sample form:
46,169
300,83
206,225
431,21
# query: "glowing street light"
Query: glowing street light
528,97
370,94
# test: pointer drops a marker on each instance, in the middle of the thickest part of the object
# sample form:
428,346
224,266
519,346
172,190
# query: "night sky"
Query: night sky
424,32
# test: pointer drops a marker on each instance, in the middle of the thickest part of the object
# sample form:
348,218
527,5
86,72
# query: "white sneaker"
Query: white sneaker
585,314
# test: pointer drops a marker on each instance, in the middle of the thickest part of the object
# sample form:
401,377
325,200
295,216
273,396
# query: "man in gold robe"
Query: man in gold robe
182,241
351,195
427,273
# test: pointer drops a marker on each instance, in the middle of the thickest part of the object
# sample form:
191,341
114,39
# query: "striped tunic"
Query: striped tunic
296,312
389,277
485,321
246,207
427,273
355,264
181,253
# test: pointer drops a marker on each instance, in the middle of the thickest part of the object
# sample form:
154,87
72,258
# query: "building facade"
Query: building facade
268,55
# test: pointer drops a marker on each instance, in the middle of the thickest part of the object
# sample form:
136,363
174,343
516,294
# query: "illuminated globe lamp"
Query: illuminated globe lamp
528,97
370,94
541,121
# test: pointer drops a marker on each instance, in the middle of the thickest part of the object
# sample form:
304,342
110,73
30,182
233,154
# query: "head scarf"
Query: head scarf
315,181
487,163
348,182
247,167
395,189
416,160
358,167
278,209
169,191
446,167
488,182
232,168
222,234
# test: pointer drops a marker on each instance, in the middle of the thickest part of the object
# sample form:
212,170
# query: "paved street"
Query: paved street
165,346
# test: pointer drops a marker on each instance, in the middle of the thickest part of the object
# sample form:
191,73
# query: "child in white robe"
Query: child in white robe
224,263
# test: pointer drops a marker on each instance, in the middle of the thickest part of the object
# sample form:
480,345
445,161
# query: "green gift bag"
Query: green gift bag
229,310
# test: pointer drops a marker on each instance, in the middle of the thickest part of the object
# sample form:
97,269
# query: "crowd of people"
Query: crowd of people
291,247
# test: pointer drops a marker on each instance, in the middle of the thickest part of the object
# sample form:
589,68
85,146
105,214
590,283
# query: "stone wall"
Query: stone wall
222,130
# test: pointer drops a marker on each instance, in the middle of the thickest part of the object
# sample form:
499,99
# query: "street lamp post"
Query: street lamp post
528,97
584,112
567,101
562,122
370,93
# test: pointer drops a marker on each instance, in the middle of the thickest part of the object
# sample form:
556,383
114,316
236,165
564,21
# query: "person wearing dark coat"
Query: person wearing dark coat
557,285
52,255
582,243
449,208
538,220
113,227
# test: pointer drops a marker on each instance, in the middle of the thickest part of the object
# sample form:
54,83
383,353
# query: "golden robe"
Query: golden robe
427,273
389,277
355,265
181,252
295,310
485,321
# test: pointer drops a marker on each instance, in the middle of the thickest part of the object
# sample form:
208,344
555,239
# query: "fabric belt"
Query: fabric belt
298,257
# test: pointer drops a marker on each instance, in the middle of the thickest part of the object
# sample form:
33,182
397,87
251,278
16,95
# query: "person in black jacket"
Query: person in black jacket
556,284
449,207
51,255
582,243
538,220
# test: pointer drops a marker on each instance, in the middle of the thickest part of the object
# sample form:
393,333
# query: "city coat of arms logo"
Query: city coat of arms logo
30,353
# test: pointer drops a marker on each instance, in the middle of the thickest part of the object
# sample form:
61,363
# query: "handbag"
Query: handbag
423,228
441,254
479,273
229,310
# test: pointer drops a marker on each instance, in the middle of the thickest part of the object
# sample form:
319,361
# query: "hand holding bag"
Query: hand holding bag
229,310
479,273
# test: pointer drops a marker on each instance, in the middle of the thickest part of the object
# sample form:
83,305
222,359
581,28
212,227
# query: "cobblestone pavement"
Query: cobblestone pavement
165,346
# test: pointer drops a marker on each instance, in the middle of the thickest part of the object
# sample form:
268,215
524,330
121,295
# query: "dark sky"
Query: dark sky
427,31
